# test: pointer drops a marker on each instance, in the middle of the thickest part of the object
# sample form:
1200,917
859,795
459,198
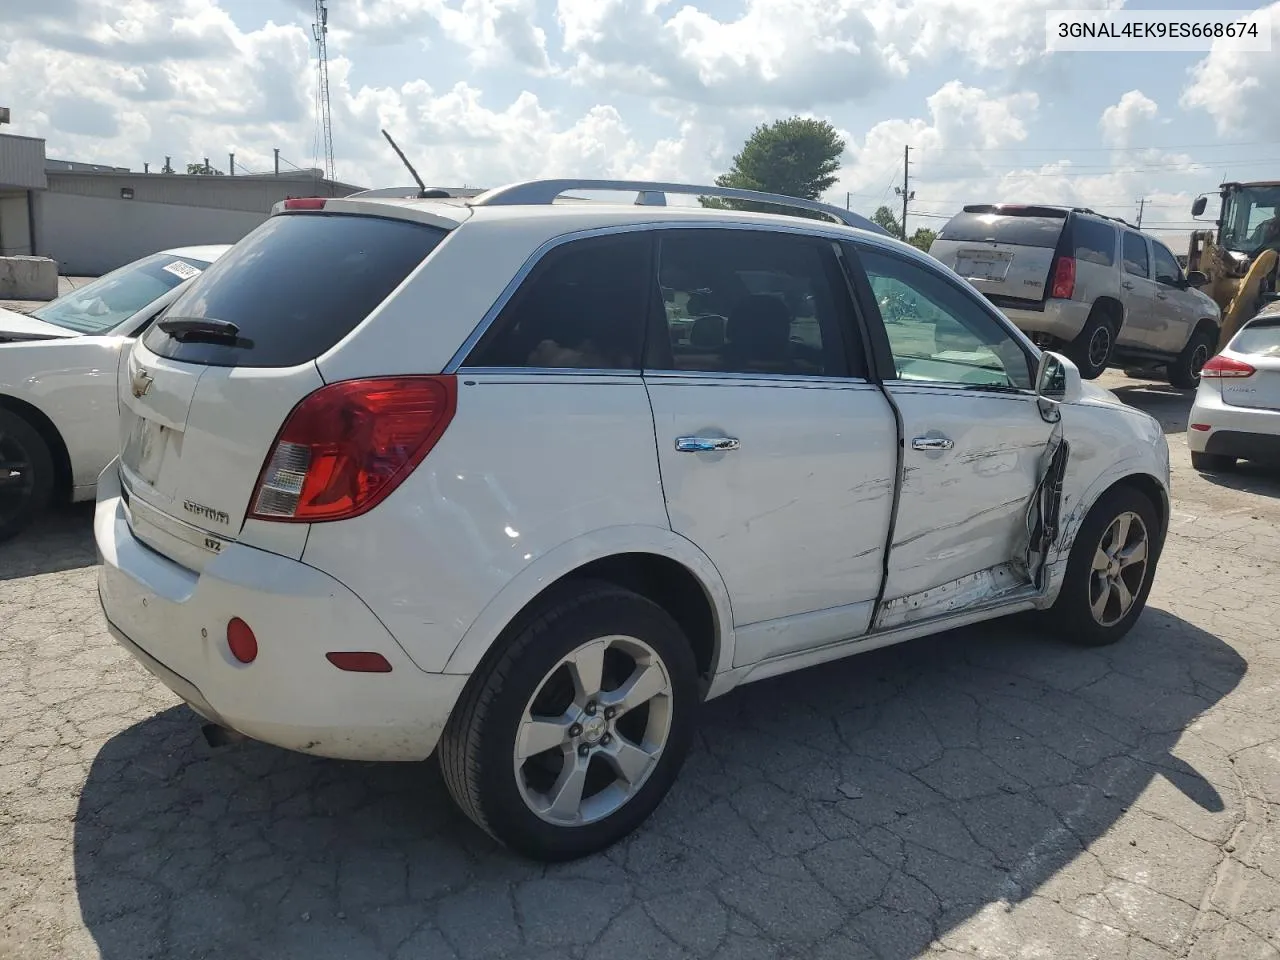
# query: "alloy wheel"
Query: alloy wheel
593,731
1119,569
1100,346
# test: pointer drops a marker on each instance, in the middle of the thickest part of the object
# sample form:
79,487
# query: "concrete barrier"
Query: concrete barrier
28,278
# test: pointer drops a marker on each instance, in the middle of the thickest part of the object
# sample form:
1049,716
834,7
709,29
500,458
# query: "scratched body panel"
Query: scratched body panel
797,517
962,510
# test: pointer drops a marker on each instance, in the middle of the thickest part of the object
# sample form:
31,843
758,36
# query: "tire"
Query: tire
1073,613
527,675
1212,461
27,475
1091,350
1184,372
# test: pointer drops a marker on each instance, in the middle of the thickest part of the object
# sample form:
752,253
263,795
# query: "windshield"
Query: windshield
1251,220
109,301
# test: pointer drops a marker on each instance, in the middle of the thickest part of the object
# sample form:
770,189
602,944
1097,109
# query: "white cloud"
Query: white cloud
1238,90
1131,114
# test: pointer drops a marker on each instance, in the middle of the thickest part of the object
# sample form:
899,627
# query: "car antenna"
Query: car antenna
423,192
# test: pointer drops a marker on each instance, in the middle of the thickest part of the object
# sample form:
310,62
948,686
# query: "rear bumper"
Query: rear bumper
1062,319
173,621
1244,432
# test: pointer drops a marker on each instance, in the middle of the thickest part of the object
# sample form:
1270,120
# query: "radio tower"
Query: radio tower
320,30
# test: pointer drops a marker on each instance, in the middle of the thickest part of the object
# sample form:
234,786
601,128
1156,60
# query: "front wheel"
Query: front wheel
26,474
572,732
1109,571
1184,371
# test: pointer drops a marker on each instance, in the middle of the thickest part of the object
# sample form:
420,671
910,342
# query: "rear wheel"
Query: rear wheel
1184,372
26,474
1212,461
1091,350
1110,570
570,735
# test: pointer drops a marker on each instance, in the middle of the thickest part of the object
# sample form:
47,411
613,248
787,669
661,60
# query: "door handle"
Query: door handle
1127,285
1162,296
932,443
705,444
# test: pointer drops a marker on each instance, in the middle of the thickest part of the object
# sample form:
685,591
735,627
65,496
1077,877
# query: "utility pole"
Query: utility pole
232,170
1142,204
168,165
146,167
277,149
905,191
848,199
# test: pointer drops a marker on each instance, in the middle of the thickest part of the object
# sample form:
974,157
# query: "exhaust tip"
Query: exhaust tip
217,736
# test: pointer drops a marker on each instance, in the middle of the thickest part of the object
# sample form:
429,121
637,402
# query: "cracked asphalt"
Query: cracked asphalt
988,793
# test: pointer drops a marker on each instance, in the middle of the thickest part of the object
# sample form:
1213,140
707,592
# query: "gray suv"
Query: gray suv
1091,286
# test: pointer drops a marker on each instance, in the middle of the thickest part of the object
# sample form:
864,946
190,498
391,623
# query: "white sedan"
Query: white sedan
1236,415
58,408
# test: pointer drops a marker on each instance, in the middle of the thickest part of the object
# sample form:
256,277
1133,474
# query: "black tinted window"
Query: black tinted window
295,286
1093,241
1167,269
1134,253
741,301
1038,231
583,306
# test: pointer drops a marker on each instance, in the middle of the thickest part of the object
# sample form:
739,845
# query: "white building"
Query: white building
92,219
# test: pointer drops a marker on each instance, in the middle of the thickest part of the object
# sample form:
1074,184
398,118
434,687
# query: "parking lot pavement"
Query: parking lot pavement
990,793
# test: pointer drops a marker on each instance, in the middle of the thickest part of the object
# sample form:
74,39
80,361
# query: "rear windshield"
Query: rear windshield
1261,338
295,286
1022,231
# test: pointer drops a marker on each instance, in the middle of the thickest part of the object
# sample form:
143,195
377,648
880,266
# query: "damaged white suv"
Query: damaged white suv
523,482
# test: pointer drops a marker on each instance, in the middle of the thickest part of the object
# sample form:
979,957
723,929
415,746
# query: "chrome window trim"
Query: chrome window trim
456,362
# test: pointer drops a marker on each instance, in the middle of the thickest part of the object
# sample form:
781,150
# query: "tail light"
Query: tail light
348,445
1064,278
1226,368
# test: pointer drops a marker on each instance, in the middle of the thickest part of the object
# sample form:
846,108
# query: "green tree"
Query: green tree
923,238
203,169
797,157
885,218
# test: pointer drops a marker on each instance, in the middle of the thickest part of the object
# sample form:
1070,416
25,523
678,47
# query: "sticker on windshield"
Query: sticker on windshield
180,268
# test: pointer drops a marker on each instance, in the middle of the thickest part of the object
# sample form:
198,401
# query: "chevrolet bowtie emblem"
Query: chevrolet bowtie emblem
141,383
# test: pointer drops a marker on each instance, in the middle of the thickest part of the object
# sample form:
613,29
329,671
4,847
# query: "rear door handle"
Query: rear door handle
932,443
705,444
1127,285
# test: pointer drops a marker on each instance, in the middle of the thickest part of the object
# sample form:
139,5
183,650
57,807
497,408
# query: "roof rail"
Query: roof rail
543,192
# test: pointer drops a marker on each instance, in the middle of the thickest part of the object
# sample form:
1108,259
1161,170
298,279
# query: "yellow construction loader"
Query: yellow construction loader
1240,257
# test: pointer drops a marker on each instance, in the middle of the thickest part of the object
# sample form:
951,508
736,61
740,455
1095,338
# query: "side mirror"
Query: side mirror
1057,381
1197,208
1197,278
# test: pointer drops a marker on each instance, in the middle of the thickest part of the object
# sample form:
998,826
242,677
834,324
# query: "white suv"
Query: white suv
523,482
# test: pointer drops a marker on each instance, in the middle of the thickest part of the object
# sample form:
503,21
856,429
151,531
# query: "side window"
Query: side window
939,333
744,301
1134,254
1093,242
583,306
1167,269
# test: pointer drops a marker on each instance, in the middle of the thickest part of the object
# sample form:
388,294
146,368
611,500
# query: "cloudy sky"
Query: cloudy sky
482,92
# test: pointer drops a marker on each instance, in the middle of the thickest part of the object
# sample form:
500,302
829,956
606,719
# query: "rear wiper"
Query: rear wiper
183,329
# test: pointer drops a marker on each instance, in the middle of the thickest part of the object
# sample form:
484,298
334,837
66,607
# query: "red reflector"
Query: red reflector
1201,427
304,203
348,445
1226,368
243,644
359,662
1064,278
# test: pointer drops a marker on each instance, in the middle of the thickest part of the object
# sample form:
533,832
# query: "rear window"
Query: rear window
295,286
1261,338
1022,231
